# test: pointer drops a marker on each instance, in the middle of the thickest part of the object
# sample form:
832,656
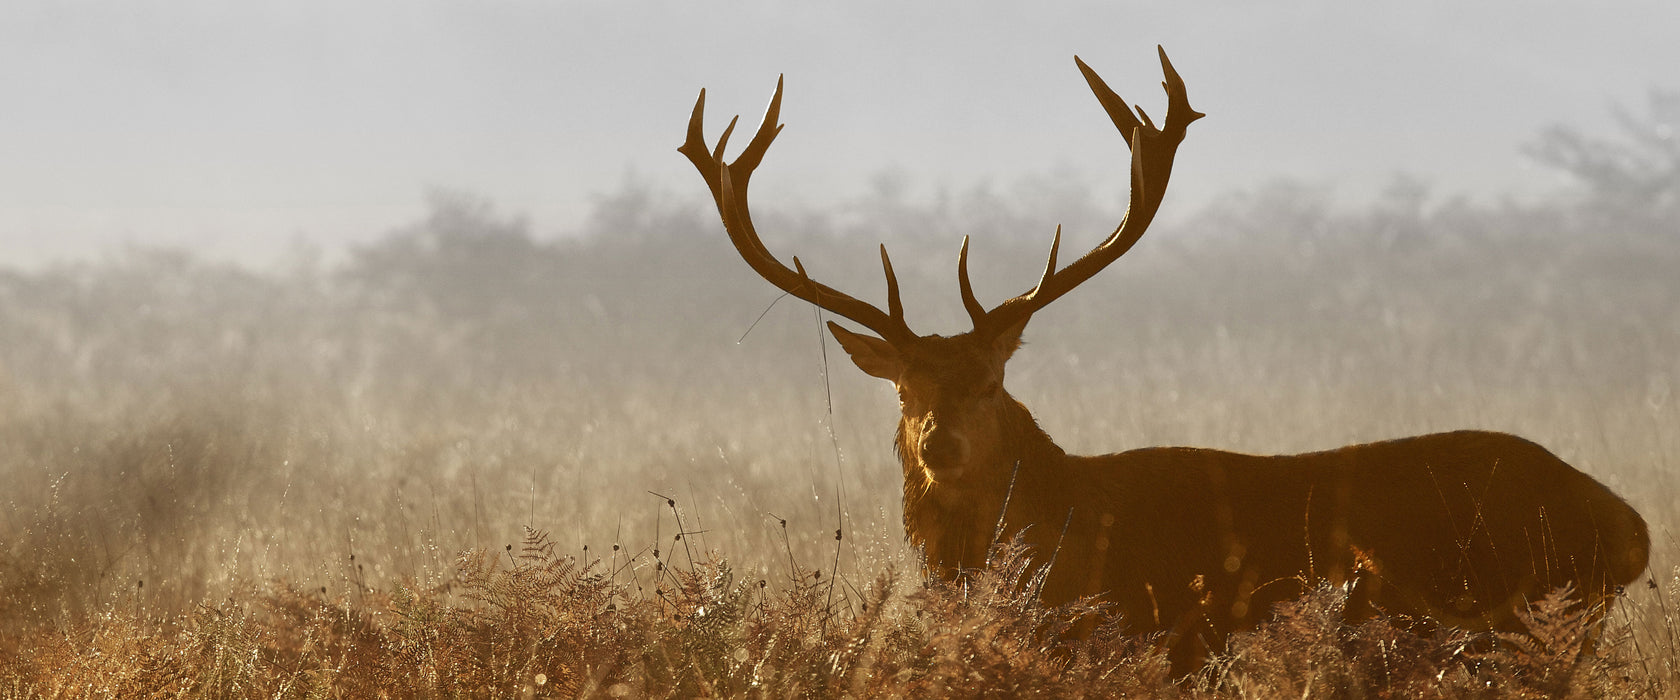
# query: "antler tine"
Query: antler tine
1113,104
895,305
1178,101
976,312
723,140
1153,150
1050,265
728,183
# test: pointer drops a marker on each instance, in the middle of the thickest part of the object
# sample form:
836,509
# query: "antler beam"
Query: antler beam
728,182
1153,150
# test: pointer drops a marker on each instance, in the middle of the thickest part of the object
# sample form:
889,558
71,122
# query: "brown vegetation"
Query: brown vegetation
538,624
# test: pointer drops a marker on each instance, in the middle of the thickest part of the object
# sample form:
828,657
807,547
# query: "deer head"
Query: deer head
958,420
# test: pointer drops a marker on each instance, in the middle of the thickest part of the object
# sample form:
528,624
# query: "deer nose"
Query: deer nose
943,448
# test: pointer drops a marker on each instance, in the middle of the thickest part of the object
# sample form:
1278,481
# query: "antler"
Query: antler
728,182
1152,158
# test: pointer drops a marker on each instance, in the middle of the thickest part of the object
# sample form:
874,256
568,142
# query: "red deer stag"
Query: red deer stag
1461,527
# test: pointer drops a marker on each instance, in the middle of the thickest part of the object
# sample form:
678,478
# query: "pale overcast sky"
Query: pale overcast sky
234,127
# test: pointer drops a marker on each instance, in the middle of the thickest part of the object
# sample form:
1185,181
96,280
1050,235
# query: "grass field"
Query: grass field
457,462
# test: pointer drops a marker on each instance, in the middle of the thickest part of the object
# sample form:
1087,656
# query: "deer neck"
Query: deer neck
953,522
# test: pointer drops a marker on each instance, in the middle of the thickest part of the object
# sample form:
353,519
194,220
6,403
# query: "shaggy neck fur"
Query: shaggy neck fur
954,522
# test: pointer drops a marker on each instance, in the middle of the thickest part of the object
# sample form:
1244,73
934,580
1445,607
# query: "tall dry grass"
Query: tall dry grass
222,482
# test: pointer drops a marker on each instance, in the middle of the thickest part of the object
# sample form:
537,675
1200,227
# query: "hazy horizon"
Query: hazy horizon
235,130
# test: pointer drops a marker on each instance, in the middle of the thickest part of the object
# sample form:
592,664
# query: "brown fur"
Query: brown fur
1460,528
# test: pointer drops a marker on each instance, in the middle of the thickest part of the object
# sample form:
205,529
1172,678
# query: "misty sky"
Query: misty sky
235,128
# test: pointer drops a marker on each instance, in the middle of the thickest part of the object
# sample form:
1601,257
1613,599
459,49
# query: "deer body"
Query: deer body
1461,528
1200,542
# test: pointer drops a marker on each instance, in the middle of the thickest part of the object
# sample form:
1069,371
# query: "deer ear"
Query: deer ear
1009,339
876,357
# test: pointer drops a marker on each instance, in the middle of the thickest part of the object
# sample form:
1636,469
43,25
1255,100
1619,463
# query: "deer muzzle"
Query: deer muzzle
944,452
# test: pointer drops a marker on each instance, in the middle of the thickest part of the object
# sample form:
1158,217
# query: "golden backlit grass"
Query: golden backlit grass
531,623
333,480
